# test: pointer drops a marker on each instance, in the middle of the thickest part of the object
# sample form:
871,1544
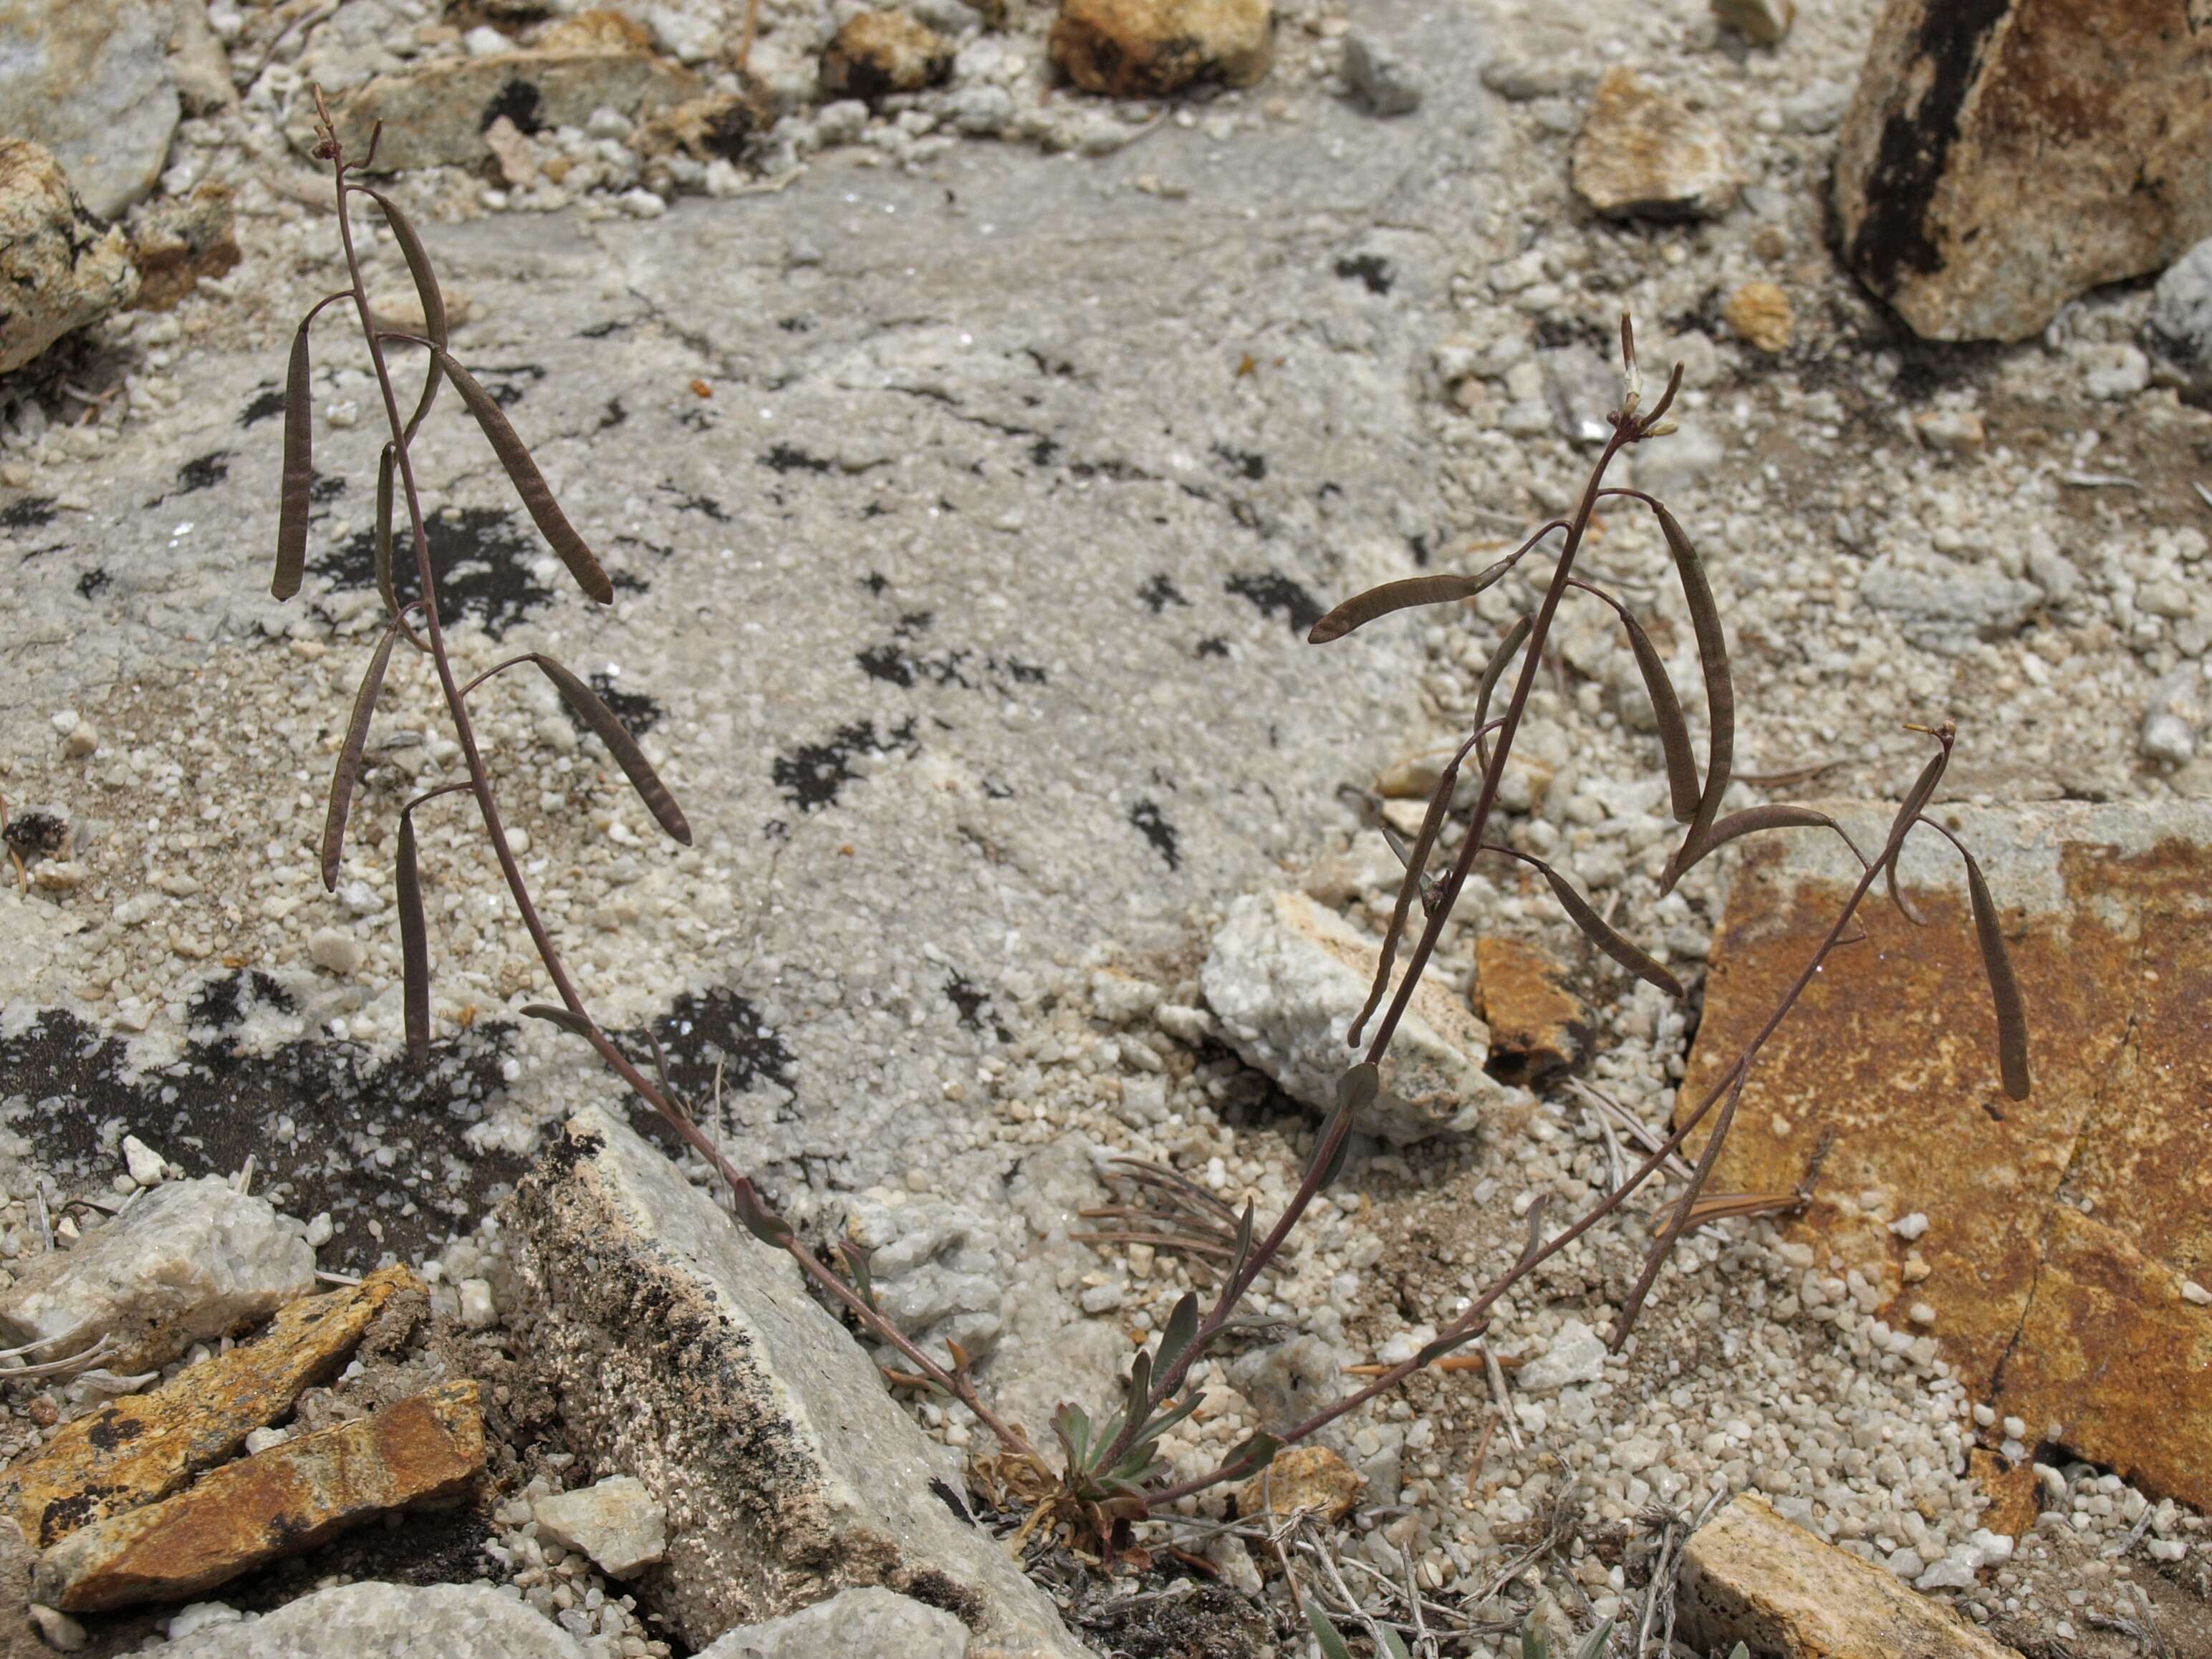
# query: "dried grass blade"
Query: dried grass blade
414,945
435,323
1719,689
1600,934
295,493
347,771
529,482
610,731
1363,608
2004,988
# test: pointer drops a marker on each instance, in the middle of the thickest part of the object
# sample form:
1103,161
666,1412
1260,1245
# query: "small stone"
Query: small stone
1575,1354
720,126
1302,1480
1538,1026
139,1448
880,52
1150,48
60,1630
1378,76
90,83
198,62
283,1501
2116,371
938,1273
435,1621
2178,331
1954,431
478,1311
616,1522
854,1623
60,267
191,1262
1645,155
2191,1291
82,741
179,242
1759,313
337,951
1762,22
512,153
1750,1576
145,1164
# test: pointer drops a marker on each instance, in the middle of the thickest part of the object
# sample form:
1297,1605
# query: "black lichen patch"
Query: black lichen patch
327,487
483,557
1022,673
1243,461
1371,269
1152,824
973,1004
706,506
36,833
1275,593
1211,646
950,1499
812,775
638,713
789,458
383,1149
520,102
94,580
508,383
203,471
29,513
722,1030
264,404
1160,592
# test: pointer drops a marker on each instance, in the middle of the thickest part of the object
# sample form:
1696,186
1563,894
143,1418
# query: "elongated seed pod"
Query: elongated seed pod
347,773
414,945
1363,608
610,731
2004,988
295,492
1719,689
435,324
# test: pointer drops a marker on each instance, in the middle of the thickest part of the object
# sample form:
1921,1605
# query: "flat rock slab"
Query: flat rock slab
616,1522
277,1503
2051,1237
90,80
852,1622
1749,1576
406,1621
143,1447
190,1262
681,1350
1999,160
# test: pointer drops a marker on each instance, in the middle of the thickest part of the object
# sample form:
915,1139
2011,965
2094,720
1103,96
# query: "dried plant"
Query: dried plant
420,622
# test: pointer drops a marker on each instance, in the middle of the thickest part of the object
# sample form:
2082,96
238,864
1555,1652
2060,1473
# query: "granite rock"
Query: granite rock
63,268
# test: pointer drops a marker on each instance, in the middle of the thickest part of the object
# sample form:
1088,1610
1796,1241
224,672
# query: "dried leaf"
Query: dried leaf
1363,608
414,942
348,772
1445,1345
1600,934
529,482
295,493
1720,692
610,731
426,288
2004,989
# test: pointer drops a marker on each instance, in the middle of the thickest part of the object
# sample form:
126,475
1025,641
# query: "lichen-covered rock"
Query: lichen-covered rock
1148,48
1643,154
191,1262
454,1621
90,81
679,1347
2000,158
1287,978
854,1622
880,52
62,267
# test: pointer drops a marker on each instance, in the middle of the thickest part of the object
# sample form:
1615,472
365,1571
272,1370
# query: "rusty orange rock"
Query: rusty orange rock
1303,1480
1537,1024
279,1502
134,1450
2057,1229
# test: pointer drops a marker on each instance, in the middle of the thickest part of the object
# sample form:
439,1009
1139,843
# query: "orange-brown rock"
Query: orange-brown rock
137,1448
2010,1488
1538,1026
2001,158
2056,1233
1643,154
880,52
1759,314
1302,1480
1148,48
1749,1576
279,1502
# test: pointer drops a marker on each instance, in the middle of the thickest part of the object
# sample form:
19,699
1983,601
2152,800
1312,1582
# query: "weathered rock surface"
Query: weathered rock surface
63,268
90,81
1946,605
1643,154
2051,1237
854,1622
1148,48
880,52
143,1447
2178,331
437,1621
1538,1026
680,1348
1998,161
179,241
1287,978
1760,314
1302,1480
1749,1576
616,1522
937,1271
439,113
276,1503
190,1262
1379,77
